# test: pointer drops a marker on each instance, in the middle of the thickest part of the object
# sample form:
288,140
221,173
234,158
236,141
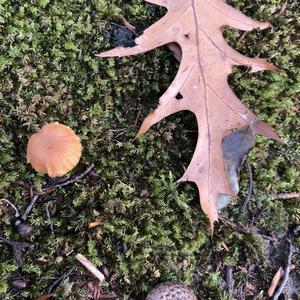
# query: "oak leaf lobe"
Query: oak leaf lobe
201,81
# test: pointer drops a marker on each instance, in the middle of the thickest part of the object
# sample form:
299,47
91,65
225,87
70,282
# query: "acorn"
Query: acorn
171,291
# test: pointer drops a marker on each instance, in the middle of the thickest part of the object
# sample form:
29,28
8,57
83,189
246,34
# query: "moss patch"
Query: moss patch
151,230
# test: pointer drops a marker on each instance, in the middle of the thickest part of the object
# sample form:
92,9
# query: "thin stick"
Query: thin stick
241,228
287,196
59,279
127,24
229,279
17,214
89,266
137,118
283,8
286,272
72,179
108,297
49,219
241,38
35,198
250,186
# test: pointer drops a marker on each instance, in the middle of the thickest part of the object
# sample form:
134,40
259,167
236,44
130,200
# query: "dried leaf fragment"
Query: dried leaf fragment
275,282
235,148
95,223
201,83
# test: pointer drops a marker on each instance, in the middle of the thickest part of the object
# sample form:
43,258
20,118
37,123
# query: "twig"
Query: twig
118,130
137,119
28,209
108,297
57,180
286,272
241,38
283,8
229,280
89,266
31,191
126,23
241,228
59,279
287,196
72,179
224,246
250,186
49,219
17,248
35,197
17,214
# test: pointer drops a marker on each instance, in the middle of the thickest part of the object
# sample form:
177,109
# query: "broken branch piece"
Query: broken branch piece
89,266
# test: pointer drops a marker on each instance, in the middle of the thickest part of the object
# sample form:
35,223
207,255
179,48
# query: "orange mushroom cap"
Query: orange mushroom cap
55,150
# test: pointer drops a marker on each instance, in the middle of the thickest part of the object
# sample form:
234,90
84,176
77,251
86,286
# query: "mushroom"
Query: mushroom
171,291
55,150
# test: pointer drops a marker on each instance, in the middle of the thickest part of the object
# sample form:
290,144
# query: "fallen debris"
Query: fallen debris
19,283
283,8
224,246
17,214
229,280
17,248
45,297
72,179
275,282
126,23
250,186
89,266
48,189
241,228
60,279
241,38
50,221
95,223
286,272
287,196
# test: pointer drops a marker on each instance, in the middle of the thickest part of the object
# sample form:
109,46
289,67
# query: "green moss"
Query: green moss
48,73
215,286
3,287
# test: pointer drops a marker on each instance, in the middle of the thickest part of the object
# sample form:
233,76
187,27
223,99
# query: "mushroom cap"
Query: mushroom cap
55,150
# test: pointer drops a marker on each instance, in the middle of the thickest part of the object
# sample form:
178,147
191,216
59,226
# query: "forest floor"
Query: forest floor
149,228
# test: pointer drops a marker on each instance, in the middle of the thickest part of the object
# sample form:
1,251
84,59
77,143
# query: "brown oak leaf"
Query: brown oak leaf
201,85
